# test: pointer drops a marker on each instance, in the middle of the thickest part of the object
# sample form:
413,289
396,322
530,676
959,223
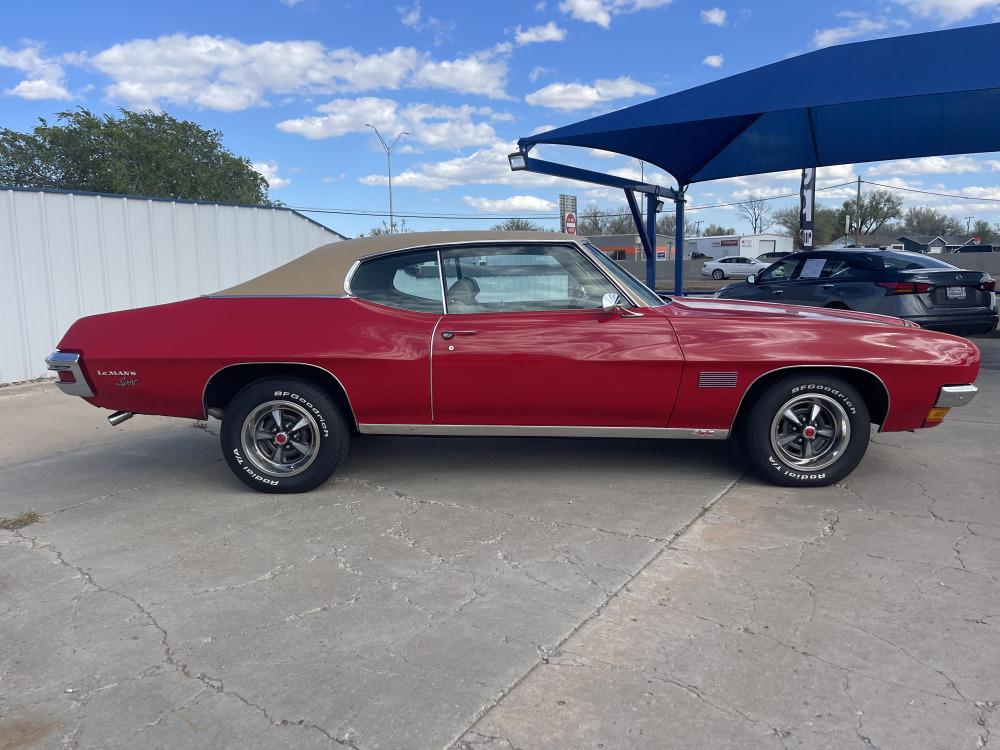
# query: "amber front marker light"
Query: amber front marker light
936,415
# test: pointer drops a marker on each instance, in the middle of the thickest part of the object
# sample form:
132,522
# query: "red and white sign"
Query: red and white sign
570,222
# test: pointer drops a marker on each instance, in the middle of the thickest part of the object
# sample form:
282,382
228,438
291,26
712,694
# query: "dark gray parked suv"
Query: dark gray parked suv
930,292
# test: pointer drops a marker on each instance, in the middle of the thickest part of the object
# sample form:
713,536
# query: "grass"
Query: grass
20,521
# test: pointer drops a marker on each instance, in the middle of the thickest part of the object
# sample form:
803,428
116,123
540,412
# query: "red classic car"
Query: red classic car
503,333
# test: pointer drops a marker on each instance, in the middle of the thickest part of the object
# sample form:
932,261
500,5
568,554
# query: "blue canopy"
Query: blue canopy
918,95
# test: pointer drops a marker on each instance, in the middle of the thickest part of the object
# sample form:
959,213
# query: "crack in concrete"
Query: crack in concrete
170,656
596,611
495,511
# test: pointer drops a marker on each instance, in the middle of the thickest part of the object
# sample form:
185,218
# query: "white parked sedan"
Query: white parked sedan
726,268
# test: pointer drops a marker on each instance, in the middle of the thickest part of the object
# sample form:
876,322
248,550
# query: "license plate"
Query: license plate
955,292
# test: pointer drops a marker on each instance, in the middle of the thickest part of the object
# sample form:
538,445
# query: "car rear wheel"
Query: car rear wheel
806,431
283,435
718,275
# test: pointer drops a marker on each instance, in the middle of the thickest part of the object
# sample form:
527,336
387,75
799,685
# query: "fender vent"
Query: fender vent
717,380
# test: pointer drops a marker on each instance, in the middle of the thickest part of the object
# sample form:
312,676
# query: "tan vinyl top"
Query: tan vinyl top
322,271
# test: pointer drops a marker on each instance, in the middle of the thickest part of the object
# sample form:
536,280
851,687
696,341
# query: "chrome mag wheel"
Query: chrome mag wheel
810,431
280,438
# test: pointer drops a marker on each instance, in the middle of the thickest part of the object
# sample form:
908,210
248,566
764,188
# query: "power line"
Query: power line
532,217
931,192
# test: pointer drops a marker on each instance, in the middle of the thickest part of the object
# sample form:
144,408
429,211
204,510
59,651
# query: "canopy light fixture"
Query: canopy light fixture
518,161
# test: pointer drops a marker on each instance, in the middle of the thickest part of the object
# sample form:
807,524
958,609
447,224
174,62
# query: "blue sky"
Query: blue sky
291,84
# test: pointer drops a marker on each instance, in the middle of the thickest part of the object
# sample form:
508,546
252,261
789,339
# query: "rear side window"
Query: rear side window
409,282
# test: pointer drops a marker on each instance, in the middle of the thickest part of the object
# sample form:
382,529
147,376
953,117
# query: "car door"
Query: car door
388,371
525,341
777,283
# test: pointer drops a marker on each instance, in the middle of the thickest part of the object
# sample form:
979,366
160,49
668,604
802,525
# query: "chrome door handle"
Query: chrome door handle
828,286
778,291
453,334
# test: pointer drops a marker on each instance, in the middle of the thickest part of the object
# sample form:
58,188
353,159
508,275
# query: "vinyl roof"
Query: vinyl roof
322,271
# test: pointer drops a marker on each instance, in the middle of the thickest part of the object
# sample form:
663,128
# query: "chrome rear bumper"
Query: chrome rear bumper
955,395
69,362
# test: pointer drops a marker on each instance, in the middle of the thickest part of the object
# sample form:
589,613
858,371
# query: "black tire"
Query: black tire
791,454
306,456
718,274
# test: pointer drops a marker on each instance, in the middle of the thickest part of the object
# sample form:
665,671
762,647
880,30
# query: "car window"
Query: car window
408,281
906,261
519,278
783,270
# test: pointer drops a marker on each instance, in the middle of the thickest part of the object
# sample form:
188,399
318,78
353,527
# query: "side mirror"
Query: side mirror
610,301
752,278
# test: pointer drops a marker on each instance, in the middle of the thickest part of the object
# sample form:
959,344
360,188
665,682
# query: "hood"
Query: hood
770,311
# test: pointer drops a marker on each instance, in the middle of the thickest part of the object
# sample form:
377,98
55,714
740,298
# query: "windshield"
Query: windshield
635,287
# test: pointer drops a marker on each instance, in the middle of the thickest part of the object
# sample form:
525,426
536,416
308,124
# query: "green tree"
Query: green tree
715,230
138,153
987,233
878,208
924,220
518,225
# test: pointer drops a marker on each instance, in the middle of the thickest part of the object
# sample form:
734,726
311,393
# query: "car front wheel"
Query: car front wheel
718,275
806,431
283,435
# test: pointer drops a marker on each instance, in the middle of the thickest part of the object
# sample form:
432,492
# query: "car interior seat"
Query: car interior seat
462,296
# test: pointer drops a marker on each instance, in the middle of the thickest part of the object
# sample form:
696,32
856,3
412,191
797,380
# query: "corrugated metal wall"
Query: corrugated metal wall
66,255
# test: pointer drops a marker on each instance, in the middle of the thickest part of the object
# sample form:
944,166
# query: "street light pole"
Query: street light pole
388,159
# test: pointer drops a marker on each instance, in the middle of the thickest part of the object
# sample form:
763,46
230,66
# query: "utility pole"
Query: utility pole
697,227
388,158
968,223
857,218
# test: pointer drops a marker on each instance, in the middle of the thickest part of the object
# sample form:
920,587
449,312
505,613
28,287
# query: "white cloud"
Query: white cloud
570,96
601,11
714,17
537,72
227,74
482,73
430,125
602,154
547,33
410,16
526,203
858,25
714,61
487,166
45,76
931,165
269,169
414,18
948,11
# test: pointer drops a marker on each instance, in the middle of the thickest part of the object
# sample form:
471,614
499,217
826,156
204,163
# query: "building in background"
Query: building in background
629,246
930,243
64,255
746,245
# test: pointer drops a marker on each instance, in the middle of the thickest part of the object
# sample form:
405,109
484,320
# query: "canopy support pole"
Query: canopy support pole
679,242
651,201
648,246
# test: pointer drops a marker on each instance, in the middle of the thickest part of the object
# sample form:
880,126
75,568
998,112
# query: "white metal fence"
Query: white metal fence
66,255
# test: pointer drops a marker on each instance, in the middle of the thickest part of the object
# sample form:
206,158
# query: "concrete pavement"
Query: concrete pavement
494,593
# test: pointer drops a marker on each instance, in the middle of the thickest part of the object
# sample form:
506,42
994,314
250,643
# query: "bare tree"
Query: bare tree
757,213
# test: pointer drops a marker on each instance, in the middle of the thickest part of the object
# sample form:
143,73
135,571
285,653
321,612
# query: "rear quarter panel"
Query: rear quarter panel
380,355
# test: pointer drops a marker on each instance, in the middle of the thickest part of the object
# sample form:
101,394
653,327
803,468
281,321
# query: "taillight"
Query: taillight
906,287
990,285
65,376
